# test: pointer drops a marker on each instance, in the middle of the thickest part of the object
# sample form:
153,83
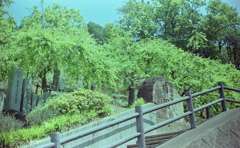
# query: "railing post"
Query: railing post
208,113
191,108
55,138
140,127
221,91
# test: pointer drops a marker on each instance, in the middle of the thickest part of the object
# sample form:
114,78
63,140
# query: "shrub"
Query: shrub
139,101
79,101
37,116
9,123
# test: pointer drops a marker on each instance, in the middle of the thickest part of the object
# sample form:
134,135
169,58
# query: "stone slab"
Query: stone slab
61,84
14,90
33,101
56,80
26,95
80,82
1,101
39,100
219,131
46,95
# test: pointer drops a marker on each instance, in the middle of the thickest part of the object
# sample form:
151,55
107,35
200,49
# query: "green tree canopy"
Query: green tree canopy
8,27
97,31
59,41
181,23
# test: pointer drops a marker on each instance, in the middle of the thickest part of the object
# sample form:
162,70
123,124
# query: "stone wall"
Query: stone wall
221,131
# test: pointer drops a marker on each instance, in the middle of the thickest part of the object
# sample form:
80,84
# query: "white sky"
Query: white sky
98,11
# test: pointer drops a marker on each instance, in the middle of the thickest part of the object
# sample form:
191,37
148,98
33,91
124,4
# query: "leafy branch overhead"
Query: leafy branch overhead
149,40
184,24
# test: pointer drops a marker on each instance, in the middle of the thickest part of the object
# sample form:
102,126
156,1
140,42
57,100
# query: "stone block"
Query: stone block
33,101
46,95
80,82
14,90
39,100
158,91
1,101
56,80
61,83
26,95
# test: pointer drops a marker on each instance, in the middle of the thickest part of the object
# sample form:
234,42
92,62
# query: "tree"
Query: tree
97,31
181,23
63,42
137,18
231,43
215,25
7,29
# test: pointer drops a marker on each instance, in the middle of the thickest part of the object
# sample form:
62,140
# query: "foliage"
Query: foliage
139,101
97,31
137,19
59,41
181,23
7,29
152,58
39,115
82,100
9,123
59,114
60,123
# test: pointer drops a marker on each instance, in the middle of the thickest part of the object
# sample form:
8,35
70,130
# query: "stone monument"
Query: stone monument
26,95
56,80
80,82
158,91
14,90
1,101
33,101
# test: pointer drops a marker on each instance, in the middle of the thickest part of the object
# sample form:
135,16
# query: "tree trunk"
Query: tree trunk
44,82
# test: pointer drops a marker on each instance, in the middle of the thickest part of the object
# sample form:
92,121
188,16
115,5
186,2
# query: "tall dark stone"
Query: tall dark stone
26,96
1,101
56,80
131,97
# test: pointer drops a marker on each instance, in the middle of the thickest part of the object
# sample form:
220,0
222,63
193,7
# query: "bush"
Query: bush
79,101
9,123
37,116
139,101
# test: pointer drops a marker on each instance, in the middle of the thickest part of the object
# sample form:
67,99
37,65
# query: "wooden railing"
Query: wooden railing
139,112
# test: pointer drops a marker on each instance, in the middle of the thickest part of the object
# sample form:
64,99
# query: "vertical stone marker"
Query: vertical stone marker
1,101
46,95
14,91
61,84
80,82
33,101
56,80
26,95
39,100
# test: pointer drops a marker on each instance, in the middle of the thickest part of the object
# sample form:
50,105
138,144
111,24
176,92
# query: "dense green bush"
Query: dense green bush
58,114
37,116
79,101
9,123
139,101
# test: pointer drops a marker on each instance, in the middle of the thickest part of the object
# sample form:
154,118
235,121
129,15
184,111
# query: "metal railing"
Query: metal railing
140,133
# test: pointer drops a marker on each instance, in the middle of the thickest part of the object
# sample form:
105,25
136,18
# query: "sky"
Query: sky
97,11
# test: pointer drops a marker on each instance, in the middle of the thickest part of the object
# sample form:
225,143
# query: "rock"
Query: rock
158,90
